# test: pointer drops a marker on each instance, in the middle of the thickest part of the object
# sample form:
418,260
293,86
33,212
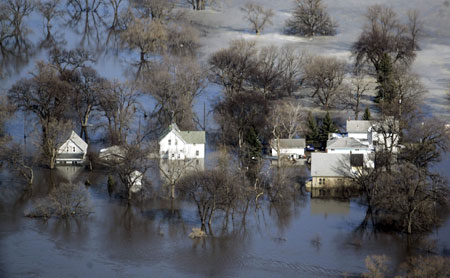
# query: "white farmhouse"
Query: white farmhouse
176,144
73,151
379,134
291,148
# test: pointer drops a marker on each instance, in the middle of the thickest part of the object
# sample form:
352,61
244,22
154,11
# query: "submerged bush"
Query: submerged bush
67,200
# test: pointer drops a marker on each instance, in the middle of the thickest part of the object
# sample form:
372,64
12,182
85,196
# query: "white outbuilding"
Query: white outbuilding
290,148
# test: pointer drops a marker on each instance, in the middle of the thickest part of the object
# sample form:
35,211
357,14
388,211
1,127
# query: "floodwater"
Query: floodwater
303,237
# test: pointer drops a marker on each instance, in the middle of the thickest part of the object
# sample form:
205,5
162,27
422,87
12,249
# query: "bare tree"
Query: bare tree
325,75
18,162
415,28
115,4
292,63
45,95
69,61
243,123
410,195
174,170
88,87
119,106
49,10
175,84
285,121
132,169
146,35
383,42
351,100
18,10
310,19
210,190
154,9
425,142
183,40
231,67
257,16
267,74
201,4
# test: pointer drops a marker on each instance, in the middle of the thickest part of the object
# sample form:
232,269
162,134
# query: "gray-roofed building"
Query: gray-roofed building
73,151
176,144
360,130
292,148
347,145
112,154
354,126
330,169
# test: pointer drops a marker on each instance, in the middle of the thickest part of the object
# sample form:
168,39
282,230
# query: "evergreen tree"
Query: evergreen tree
253,144
366,116
385,81
326,127
312,135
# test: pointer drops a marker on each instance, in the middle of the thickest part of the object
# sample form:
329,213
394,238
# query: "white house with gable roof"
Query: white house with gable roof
73,151
176,144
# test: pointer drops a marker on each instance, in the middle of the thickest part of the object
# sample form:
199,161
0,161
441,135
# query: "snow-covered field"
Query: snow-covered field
222,24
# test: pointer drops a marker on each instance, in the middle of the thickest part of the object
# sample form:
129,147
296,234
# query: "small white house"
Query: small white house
73,151
291,148
176,144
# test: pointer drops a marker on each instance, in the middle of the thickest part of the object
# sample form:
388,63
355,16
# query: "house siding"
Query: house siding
178,149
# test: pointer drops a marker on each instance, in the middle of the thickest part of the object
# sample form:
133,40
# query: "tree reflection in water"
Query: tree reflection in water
85,19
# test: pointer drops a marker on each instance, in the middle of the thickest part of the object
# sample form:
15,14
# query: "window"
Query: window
178,156
73,149
356,150
173,155
176,142
170,142
197,153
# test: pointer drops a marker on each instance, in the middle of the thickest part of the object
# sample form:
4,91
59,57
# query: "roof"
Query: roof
117,151
78,141
346,142
193,137
354,126
190,137
329,164
291,143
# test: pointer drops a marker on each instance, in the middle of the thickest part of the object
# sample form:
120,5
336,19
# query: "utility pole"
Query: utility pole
204,116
